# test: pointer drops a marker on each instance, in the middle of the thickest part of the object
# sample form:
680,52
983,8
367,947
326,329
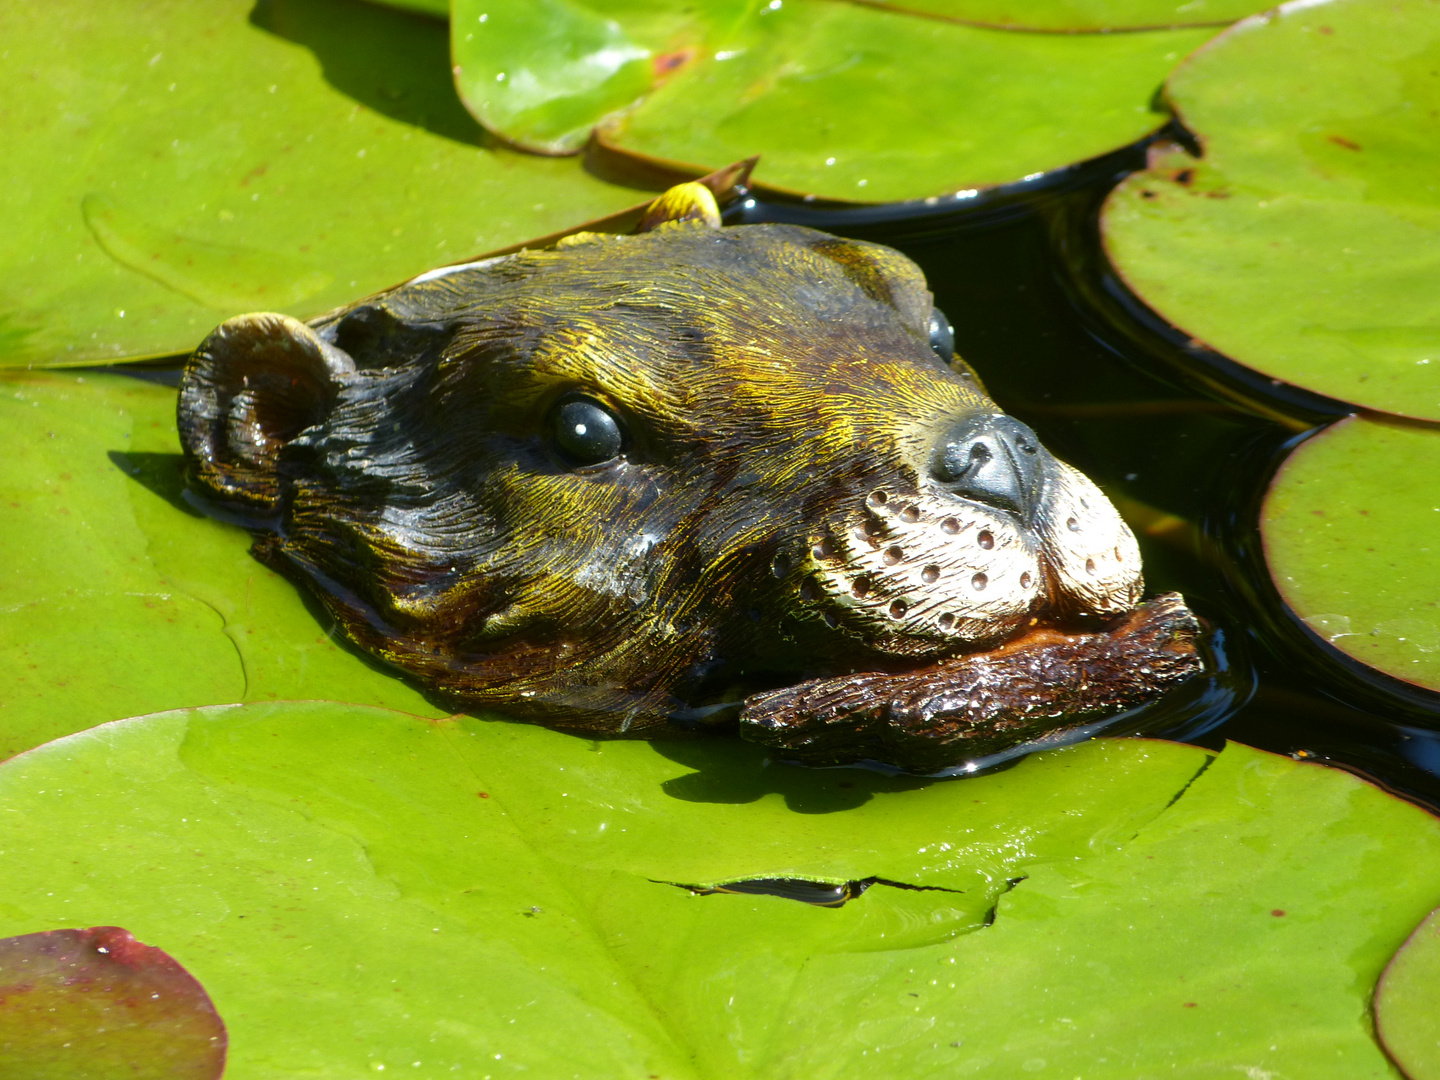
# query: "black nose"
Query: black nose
994,460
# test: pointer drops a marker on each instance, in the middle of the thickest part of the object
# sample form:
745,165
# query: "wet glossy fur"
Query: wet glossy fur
773,517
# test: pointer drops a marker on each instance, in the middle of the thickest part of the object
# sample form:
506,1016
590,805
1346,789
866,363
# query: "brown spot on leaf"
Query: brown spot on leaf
1340,140
666,64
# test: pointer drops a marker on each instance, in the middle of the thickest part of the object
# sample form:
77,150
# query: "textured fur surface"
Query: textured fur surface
776,514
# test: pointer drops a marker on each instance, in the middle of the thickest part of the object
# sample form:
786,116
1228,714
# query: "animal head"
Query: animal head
609,482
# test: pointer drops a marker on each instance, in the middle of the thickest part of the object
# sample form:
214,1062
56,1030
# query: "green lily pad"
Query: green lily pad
841,100
1306,242
467,892
1407,1003
1080,15
439,9
120,599
169,166
1351,527
96,1004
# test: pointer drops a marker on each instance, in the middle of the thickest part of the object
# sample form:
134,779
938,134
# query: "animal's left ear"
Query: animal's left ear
254,384
683,202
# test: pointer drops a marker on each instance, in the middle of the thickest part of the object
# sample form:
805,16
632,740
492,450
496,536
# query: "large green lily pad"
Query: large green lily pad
478,893
1351,527
1080,15
841,100
1306,242
169,165
117,597
1407,1003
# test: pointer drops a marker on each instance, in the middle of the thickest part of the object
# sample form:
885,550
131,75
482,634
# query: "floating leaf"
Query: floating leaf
494,892
95,1004
171,165
222,276
1080,15
544,70
1407,1003
1351,526
439,9
116,596
841,100
1306,242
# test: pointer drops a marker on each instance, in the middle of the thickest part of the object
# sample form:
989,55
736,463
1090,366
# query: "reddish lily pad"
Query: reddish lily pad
95,1004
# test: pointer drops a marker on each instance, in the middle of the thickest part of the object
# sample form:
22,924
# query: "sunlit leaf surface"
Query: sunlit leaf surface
1407,1003
1352,538
462,893
1306,243
95,1004
439,9
1081,15
168,165
841,100
119,598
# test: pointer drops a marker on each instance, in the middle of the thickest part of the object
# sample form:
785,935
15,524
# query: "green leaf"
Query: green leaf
1080,15
439,9
1351,526
1407,1003
172,165
1306,243
841,100
466,892
94,1004
105,561
545,69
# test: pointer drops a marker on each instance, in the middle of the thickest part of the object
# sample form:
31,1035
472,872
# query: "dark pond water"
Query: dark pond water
1178,436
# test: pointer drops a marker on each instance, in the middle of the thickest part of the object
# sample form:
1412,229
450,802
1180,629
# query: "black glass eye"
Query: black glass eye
942,335
585,432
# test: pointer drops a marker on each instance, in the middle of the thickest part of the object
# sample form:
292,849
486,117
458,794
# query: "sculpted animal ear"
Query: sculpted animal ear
254,384
683,202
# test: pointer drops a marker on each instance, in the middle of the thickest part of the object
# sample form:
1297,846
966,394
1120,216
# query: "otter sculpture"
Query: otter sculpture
650,484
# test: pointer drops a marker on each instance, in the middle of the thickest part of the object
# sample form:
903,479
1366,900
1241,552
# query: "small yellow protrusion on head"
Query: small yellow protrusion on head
683,202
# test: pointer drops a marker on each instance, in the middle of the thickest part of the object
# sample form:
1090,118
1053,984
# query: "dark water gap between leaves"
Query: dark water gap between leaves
1183,439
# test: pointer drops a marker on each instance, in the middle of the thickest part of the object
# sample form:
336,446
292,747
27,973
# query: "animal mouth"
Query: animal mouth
931,573
935,716
923,574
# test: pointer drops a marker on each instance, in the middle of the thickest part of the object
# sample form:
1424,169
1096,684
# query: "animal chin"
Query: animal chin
1091,559
929,575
